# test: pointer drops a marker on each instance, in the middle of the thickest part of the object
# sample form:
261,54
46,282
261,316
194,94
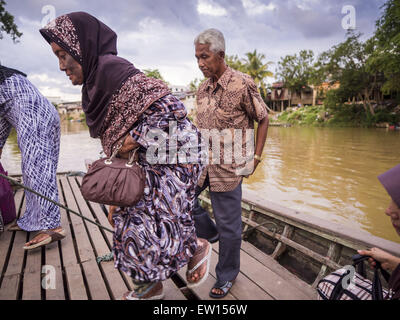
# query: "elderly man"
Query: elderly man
228,102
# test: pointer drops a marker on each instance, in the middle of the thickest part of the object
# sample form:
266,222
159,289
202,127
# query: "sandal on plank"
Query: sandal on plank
225,287
154,292
53,236
201,256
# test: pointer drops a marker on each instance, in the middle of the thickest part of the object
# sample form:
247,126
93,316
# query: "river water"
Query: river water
327,172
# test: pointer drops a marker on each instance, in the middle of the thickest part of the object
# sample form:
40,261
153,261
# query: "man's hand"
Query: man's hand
111,211
248,169
388,262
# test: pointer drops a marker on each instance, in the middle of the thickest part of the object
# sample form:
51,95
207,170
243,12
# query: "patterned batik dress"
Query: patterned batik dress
156,237
37,124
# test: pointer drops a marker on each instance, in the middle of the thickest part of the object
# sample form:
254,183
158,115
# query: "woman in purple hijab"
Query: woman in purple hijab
391,182
156,237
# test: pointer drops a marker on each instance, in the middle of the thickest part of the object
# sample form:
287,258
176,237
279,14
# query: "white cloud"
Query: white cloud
254,7
207,7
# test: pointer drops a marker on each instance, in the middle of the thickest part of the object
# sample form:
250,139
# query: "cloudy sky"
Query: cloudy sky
158,34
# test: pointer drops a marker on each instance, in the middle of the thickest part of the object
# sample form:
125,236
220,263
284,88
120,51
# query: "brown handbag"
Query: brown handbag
114,181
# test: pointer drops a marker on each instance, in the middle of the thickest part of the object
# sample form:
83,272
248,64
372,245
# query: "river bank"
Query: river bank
346,115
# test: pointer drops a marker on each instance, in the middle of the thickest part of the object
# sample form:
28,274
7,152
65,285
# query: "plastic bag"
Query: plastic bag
7,204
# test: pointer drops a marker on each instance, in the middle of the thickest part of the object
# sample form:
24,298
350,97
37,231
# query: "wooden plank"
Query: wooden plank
32,274
85,250
52,258
6,236
15,263
95,282
74,279
276,286
296,246
9,287
171,291
113,277
244,288
75,286
273,265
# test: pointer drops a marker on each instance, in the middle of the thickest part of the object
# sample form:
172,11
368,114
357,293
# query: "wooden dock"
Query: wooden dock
68,269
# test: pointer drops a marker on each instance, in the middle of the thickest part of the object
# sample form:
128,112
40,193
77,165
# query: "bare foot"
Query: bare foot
199,272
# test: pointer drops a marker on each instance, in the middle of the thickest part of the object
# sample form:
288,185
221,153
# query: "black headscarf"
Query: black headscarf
94,46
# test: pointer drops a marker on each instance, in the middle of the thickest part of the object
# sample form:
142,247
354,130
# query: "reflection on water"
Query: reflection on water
327,172
331,173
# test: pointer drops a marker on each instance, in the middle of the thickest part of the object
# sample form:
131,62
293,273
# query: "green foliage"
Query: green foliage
153,73
297,71
253,65
386,53
235,63
7,24
194,84
338,115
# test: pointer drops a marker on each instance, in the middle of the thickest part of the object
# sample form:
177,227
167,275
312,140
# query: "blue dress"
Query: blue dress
37,124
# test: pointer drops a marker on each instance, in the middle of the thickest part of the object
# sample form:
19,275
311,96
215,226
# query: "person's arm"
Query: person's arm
127,147
261,137
256,110
388,261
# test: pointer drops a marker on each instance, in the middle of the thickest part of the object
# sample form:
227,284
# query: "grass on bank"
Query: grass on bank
345,115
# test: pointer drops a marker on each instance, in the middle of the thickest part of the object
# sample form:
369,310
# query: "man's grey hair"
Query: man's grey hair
214,38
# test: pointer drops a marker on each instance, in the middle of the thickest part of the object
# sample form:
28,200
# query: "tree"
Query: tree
347,63
7,24
194,84
258,70
235,63
153,73
254,66
386,54
298,71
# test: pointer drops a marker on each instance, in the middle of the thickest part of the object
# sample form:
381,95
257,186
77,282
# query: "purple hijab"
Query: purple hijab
391,181
94,46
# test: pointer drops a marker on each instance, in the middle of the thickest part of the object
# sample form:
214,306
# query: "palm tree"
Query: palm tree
258,70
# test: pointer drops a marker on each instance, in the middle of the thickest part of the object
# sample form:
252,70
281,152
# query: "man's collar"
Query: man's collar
223,80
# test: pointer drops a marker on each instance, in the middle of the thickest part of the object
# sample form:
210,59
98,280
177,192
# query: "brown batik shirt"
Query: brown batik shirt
232,103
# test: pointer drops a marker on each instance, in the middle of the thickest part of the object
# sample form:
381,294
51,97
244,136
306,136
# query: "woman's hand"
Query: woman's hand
128,146
111,211
388,262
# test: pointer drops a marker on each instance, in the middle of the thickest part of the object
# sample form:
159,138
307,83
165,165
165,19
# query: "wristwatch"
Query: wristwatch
257,157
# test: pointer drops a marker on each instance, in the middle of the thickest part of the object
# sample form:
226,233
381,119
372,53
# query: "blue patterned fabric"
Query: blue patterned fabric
38,133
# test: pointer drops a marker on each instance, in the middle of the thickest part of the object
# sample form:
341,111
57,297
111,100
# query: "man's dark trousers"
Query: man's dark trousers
228,216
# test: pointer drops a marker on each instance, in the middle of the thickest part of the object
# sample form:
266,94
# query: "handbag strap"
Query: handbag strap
377,290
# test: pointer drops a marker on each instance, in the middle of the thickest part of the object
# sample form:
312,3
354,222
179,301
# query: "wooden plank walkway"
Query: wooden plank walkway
68,269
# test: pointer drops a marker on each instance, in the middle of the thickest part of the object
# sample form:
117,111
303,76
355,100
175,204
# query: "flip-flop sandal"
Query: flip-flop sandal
53,236
204,250
147,294
15,227
224,288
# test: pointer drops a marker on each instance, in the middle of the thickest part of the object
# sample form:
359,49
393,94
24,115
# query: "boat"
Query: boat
284,254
